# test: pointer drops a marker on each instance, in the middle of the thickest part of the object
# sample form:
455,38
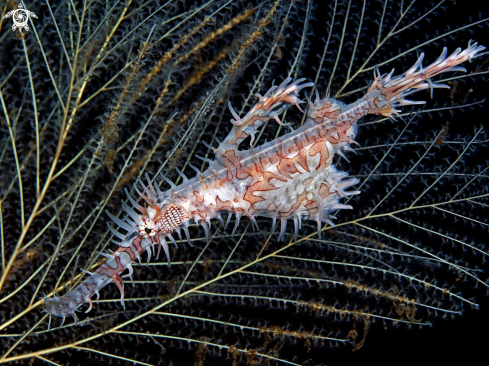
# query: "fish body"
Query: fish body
290,178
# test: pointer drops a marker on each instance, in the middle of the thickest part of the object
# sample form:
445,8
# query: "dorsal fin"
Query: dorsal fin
276,100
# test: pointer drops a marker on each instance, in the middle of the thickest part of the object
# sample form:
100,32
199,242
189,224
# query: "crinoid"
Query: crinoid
98,94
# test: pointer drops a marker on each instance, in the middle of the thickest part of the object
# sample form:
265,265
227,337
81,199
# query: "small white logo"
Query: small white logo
20,17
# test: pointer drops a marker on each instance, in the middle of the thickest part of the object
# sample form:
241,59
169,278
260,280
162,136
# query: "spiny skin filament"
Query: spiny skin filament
292,177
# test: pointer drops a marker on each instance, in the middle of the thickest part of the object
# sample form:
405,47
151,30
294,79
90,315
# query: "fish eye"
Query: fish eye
148,230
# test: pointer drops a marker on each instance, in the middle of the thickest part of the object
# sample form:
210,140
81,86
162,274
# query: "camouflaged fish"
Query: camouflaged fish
290,178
